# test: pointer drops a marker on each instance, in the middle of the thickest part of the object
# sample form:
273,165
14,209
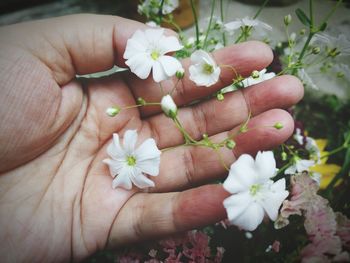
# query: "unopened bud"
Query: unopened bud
302,32
230,144
168,106
112,111
220,96
180,73
316,50
141,101
255,74
287,19
284,156
278,125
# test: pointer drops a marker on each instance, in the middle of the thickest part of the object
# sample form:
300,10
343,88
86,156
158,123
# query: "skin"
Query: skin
56,199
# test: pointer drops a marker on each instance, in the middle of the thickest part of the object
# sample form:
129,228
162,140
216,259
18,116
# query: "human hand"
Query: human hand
56,200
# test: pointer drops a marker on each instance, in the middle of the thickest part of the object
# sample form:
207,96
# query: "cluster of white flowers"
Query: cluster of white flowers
152,7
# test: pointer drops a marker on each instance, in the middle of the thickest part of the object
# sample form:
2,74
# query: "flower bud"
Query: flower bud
302,32
255,74
230,144
168,106
180,73
112,111
220,96
141,101
287,19
284,156
278,125
316,50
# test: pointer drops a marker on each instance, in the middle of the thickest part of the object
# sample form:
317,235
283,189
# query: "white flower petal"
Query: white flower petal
114,149
236,204
303,165
123,179
233,25
250,218
140,64
169,44
141,181
291,169
129,141
170,65
242,175
266,165
158,72
147,150
133,46
153,35
274,197
114,166
149,166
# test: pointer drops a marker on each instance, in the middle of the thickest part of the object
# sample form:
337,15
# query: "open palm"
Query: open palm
56,199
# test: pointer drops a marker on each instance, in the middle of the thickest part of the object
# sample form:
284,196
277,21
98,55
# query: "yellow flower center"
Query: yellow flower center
208,69
155,55
254,189
131,160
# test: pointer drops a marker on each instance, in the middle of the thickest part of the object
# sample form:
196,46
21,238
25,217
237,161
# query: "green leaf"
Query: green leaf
323,27
303,17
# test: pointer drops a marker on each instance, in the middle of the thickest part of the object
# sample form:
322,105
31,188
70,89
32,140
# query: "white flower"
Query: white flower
204,71
151,7
338,44
313,149
152,24
246,22
299,165
298,136
257,77
168,106
254,194
129,165
306,78
145,51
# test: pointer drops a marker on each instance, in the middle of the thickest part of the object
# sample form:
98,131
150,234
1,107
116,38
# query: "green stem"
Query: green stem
284,167
209,25
187,137
222,20
311,34
196,23
331,12
311,14
160,12
260,9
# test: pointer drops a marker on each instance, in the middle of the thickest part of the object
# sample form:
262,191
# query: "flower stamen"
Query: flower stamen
131,160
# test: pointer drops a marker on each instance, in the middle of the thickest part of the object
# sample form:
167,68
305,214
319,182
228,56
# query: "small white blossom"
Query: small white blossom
254,194
145,51
129,165
313,149
298,136
299,165
152,24
168,106
339,44
306,78
203,71
246,22
260,77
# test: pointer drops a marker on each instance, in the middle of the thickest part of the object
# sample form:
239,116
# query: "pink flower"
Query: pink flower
324,232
